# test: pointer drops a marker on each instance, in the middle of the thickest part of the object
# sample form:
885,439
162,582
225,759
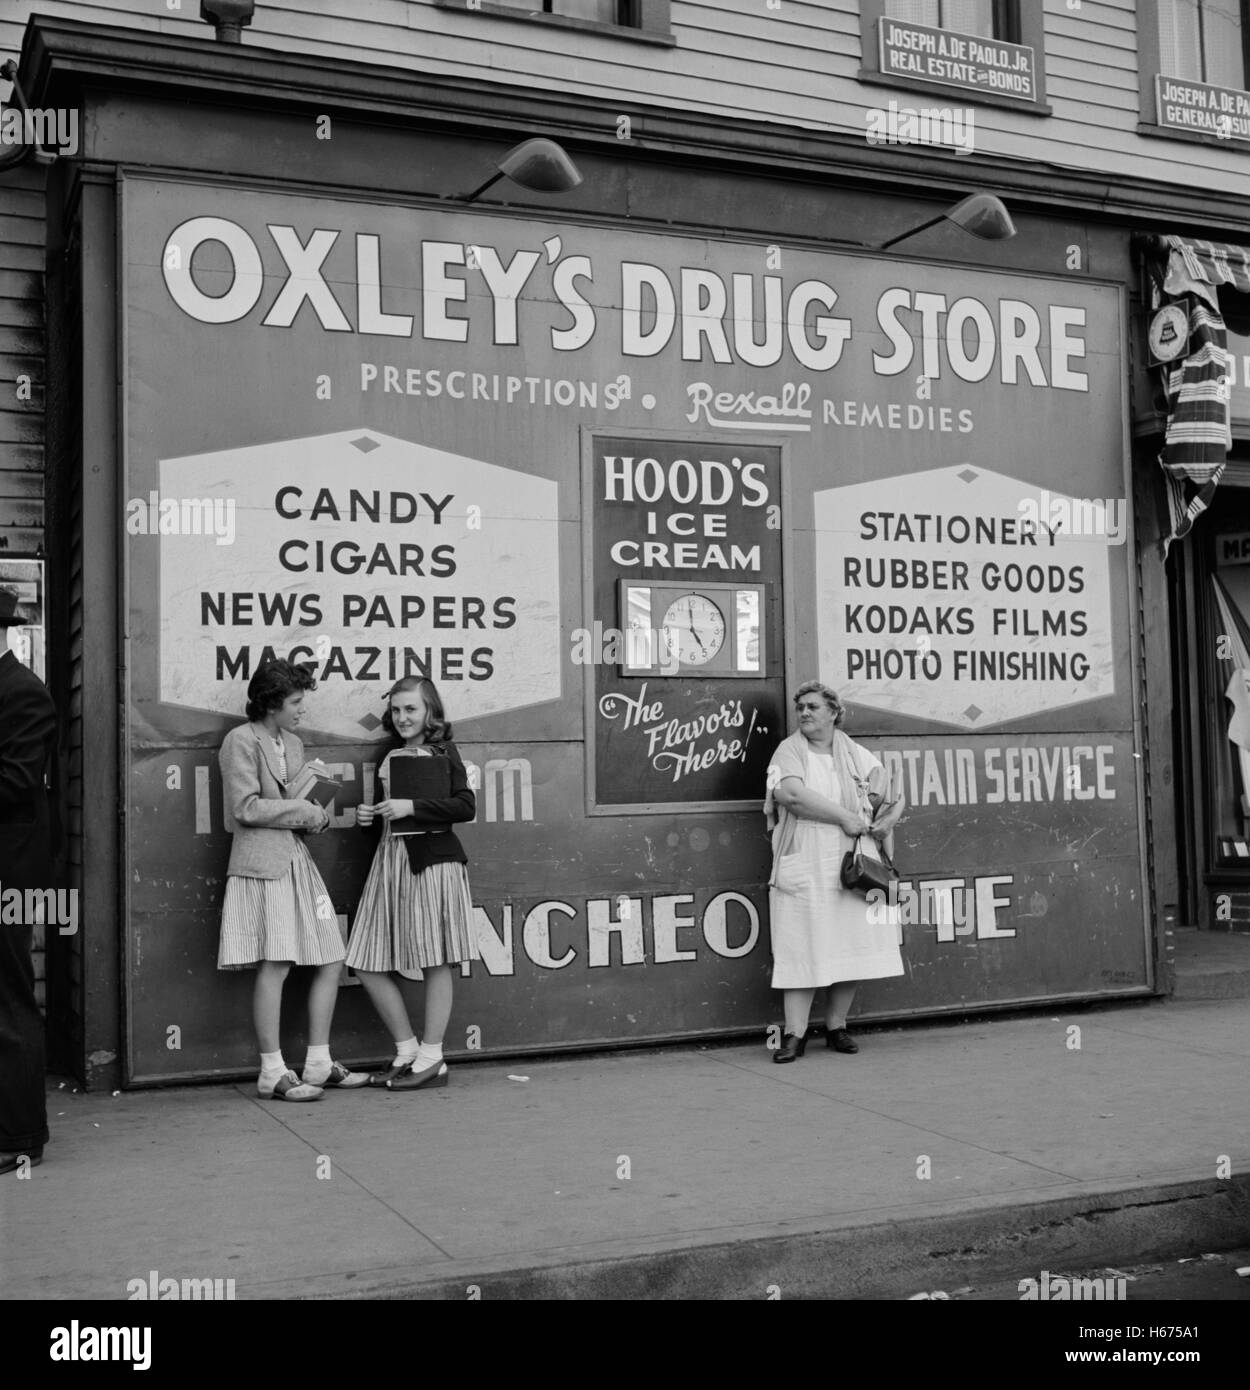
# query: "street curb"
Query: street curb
857,1259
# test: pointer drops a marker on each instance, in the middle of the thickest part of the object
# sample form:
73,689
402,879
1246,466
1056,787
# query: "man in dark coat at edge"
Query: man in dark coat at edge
27,741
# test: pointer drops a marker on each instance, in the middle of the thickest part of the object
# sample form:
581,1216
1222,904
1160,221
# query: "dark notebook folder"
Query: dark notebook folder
312,786
322,790
415,779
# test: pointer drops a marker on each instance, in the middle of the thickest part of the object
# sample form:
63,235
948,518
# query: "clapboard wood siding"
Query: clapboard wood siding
20,313
797,65
22,356
21,353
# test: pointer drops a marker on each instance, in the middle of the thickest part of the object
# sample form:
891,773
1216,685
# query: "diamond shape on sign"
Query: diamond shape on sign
966,475
365,444
972,712
370,722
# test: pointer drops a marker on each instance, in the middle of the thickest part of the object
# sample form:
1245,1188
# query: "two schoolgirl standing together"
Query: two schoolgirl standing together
415,914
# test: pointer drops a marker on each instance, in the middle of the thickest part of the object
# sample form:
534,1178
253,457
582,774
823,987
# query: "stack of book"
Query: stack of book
310,785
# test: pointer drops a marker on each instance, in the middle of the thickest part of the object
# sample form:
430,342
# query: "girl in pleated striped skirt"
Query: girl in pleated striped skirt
277,911
415,917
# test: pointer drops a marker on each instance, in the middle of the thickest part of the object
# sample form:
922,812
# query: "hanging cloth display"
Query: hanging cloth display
1234,651
1198,438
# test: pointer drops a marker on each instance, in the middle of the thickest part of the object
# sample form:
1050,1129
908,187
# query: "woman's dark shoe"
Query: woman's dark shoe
15,1162
392,1073
792,1046
426,1079
839,1040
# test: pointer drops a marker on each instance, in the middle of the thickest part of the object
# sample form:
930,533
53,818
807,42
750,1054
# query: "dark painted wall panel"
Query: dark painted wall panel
595,905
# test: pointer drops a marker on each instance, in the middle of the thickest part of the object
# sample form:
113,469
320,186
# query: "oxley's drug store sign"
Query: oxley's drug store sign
479,294
487,448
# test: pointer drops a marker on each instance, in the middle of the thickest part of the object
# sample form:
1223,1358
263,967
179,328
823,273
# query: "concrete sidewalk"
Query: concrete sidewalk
702,1172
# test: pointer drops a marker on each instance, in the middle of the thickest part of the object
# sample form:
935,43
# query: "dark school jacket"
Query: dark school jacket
27,745
442,846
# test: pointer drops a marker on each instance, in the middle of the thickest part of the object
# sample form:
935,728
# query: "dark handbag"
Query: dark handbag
862,875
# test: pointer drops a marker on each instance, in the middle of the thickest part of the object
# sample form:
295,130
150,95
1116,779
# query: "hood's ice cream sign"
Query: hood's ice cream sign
758,320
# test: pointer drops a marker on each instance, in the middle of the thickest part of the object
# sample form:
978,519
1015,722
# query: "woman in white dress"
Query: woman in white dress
823,935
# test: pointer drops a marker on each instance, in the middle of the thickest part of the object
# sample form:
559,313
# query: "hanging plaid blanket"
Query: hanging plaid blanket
1198,435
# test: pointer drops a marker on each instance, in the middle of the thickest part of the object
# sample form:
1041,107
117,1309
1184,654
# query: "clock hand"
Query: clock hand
690,624
693,633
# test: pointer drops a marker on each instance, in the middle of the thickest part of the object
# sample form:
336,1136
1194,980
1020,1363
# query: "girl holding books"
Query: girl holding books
276,909
416,915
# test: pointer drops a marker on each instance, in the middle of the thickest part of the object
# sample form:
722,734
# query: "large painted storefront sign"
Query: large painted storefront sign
357,554
617,492
960,604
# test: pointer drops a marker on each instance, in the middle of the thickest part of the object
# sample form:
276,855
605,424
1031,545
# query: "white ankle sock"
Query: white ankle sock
271,1065
428,1055
317,1064
406,1050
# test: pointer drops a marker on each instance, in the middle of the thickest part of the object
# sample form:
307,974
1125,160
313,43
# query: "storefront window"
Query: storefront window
989,50
1226,696
1193,69
26,641
967,16
1203,41
647,19
602,11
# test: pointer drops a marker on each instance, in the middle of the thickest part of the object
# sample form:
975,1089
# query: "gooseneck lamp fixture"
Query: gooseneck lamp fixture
17,101
981,214
540,165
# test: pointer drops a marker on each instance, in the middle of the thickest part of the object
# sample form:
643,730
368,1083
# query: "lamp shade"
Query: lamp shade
540,165
983,215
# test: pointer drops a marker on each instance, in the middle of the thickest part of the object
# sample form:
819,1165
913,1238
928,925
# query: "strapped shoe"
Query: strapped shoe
427,1079
289,1087
389,1074
340,1078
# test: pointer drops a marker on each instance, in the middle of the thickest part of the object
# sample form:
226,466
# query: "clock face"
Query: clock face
1168,334
694,628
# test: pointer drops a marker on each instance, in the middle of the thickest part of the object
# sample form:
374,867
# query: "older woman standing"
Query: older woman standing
819,783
